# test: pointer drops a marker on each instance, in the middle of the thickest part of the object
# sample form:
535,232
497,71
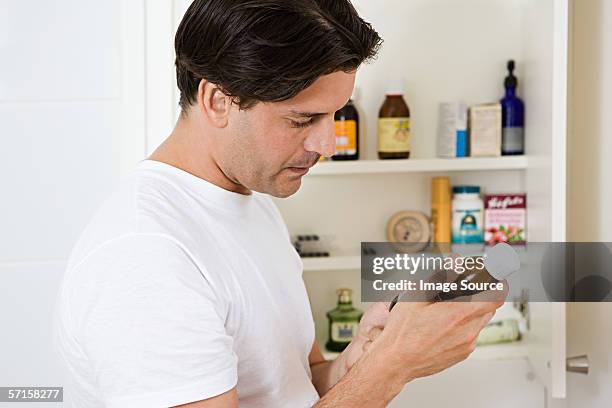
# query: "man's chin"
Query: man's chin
286,188
288,192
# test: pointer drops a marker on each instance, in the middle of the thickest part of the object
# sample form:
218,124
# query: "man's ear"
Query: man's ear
213,103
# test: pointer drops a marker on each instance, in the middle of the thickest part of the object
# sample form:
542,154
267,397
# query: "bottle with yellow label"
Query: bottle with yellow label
343,322
347,133
394,127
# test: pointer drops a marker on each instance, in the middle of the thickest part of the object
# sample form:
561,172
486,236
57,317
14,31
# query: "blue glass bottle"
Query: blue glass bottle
513,117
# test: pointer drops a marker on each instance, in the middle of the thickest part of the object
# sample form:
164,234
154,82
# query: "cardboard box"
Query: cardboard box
452,130
485,128
505,218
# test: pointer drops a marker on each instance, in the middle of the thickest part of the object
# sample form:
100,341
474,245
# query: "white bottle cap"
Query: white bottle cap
501,261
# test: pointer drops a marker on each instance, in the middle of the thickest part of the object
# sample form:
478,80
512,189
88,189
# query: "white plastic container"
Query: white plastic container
468,215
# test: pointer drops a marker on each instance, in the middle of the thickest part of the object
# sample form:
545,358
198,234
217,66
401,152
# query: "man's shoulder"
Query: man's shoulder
144,205
124,255
119,215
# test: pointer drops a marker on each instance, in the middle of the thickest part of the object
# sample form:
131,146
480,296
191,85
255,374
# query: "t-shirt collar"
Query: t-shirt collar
224,199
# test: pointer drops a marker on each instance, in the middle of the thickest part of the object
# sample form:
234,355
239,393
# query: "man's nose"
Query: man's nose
322,140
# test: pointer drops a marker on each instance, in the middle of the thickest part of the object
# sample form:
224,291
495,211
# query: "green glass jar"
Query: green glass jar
343,322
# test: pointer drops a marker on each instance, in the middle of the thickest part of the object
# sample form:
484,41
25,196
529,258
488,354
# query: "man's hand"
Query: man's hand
371,324
418,339
325,374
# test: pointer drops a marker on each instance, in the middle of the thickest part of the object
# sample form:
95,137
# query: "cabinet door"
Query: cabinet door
546,137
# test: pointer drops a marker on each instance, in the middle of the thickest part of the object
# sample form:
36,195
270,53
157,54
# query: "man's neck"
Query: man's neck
187,150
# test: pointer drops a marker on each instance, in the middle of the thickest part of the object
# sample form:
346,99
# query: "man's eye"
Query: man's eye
302,124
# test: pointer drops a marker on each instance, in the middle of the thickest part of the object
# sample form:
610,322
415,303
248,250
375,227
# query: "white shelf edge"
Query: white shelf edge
332,263
419,165
494,352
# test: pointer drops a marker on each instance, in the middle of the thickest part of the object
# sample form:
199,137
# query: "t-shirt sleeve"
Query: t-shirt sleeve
150,324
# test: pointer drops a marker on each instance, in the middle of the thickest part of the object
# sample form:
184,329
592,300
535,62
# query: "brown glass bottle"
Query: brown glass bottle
347,133
394,128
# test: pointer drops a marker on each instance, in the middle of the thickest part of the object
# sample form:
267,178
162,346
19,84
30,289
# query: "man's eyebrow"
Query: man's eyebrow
307,114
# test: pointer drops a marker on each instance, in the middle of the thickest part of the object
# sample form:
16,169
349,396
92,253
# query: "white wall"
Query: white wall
590,218
58,103
60,94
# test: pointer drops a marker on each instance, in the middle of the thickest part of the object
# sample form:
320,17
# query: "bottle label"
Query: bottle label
343,332
512,140
467,226
393,135
346,137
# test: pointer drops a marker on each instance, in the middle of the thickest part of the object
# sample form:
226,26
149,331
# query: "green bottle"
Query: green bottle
343,322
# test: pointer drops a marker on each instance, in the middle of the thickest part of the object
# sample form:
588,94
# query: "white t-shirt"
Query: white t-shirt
179,290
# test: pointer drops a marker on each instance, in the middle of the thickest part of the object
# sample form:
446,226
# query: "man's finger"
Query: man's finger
374,333
492,295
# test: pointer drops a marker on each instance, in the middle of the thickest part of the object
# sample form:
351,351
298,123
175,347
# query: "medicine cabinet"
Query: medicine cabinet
443,50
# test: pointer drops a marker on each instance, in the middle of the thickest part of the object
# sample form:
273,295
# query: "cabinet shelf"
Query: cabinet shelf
332,263
419,165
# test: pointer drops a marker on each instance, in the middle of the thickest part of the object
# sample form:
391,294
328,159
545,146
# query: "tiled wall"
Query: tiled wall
59,101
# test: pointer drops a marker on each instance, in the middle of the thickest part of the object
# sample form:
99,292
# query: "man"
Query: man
185,289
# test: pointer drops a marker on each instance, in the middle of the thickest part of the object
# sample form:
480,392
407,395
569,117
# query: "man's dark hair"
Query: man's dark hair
268,50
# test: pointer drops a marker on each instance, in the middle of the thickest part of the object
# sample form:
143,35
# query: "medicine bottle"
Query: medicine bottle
513,117
394,126
343,322
483,274
441,209
499,263
347,133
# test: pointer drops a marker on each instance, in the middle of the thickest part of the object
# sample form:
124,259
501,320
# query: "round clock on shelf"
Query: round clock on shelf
409,231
